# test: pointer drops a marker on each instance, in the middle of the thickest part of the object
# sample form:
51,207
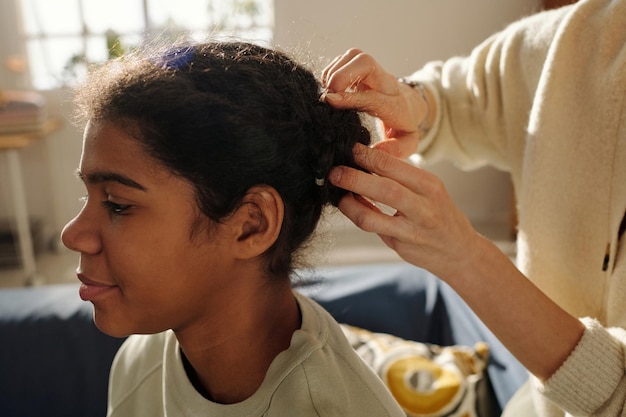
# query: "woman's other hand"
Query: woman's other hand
356,80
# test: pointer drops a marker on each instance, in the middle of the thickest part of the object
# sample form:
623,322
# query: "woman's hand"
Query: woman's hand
356,80
428,229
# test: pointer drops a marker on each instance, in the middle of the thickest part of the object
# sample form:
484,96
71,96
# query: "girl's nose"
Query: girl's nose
81,235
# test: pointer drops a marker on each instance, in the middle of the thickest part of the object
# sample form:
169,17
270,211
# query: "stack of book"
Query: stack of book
21,111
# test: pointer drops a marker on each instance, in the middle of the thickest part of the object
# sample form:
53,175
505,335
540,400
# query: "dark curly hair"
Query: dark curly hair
226,116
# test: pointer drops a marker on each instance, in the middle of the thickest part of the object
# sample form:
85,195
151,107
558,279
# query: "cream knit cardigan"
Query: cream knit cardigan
545,100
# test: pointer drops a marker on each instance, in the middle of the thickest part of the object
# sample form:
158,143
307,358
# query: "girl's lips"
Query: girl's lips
89,290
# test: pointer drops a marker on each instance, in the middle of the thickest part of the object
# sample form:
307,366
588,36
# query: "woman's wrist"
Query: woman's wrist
427,104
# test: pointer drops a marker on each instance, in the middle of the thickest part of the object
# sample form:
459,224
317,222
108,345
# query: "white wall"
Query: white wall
402,34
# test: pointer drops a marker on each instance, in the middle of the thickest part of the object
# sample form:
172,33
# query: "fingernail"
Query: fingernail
334,175
333,97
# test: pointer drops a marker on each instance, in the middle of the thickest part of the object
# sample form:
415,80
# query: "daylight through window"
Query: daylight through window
64,36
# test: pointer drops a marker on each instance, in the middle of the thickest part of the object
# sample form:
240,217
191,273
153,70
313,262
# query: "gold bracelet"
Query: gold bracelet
420,88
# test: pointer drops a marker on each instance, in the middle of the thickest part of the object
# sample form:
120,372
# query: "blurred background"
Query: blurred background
45,47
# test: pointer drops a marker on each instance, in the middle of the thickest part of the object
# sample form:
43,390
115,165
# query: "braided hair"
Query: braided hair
227,116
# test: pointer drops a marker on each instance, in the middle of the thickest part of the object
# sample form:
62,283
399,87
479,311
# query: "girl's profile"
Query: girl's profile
205,168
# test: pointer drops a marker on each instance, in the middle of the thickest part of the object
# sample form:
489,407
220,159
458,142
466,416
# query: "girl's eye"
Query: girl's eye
114,208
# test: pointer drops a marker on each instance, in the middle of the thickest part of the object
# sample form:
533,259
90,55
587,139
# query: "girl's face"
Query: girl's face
140,264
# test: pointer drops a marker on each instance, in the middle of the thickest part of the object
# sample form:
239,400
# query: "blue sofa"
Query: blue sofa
54,362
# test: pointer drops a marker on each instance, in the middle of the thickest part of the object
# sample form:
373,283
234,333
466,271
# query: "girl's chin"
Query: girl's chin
113,331
121,327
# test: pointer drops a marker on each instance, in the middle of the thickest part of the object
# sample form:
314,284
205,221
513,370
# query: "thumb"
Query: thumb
369,101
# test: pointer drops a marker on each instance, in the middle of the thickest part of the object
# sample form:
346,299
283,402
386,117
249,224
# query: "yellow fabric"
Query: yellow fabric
426,380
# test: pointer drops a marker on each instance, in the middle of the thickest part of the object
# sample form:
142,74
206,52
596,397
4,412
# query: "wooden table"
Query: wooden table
10,144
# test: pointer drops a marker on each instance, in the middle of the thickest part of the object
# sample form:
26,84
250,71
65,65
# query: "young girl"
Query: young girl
205,168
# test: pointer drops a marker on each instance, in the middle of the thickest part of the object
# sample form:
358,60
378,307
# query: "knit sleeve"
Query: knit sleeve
592,381
484,99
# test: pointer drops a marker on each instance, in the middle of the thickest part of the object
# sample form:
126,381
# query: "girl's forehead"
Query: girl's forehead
108,147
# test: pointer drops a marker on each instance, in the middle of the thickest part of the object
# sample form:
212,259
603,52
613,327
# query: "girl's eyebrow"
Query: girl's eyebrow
105,176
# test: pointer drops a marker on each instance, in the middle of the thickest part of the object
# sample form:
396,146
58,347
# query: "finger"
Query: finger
382,190
402,147
360,72
367,203
376,205
372,102
392,146
338,62
329,70
391,231
370,204
388,166
367,218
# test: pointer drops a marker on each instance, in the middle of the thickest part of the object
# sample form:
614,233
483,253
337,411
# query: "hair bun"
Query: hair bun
333,134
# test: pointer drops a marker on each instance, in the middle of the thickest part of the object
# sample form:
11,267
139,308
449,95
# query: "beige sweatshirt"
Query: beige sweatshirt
319,375
544,100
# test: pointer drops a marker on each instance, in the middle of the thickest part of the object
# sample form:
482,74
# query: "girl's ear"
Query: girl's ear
257,221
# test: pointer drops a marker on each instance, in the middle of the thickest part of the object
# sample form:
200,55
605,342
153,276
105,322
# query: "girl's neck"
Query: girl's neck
228,362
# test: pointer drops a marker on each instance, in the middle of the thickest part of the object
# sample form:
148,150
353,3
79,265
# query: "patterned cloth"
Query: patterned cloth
426,379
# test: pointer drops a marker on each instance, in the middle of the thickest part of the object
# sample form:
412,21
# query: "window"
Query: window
63,36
